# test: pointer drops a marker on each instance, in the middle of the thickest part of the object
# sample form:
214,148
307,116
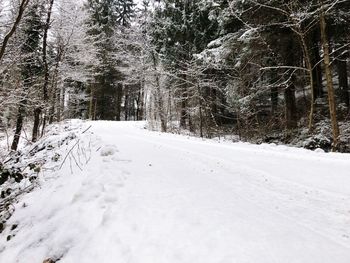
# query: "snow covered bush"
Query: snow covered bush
23,170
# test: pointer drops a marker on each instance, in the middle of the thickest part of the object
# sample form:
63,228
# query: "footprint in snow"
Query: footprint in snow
108,150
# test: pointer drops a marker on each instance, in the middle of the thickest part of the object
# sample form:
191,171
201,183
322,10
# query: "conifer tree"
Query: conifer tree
30,66
106,92
181,29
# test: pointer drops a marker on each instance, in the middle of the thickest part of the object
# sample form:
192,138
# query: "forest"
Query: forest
174,131
263,71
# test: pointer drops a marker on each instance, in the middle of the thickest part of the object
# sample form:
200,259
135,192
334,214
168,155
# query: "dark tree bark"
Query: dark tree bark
317,69
183,113
342,70
38,110
29,68
200,102
19,124
329,78
46,65
140,103
54,92
213,104
291,109
36,125
274,92
184,102
274,99
289,93
119,101
126,105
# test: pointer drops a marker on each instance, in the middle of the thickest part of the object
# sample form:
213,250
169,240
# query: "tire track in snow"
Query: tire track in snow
247,170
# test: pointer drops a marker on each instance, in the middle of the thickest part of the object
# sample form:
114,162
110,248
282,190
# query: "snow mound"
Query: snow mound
64,145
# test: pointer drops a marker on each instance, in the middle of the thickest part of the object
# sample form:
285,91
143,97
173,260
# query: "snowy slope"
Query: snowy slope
147,197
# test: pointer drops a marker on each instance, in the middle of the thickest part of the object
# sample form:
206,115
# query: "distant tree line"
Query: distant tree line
260,66
63,59
266,70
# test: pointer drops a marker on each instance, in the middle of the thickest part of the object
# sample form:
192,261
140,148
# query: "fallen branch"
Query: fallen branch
65,158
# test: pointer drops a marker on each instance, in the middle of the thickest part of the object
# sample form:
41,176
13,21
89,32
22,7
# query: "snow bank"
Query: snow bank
34,163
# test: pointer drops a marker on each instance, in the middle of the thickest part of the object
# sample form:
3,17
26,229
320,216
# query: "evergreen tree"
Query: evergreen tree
181,29
30,66
106,91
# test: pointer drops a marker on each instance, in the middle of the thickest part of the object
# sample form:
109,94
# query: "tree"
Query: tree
30,66
107,89
22,7
72,55
180,29
38,109
329,78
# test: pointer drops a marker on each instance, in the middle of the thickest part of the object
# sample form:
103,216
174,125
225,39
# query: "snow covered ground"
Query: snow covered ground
147,197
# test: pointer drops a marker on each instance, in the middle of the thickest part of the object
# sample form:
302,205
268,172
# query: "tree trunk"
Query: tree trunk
140,102
342,70
91,103
38,109
158,97
289,92
291,109
274,99
273,76
55,98
53,102
126,105
200,104
19,124
95,109
60,102
44,125
307,58
329,78
46,65
183,114
36,125
316,71
119,101
160,106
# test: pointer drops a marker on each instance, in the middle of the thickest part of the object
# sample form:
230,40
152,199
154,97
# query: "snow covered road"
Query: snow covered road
147,197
